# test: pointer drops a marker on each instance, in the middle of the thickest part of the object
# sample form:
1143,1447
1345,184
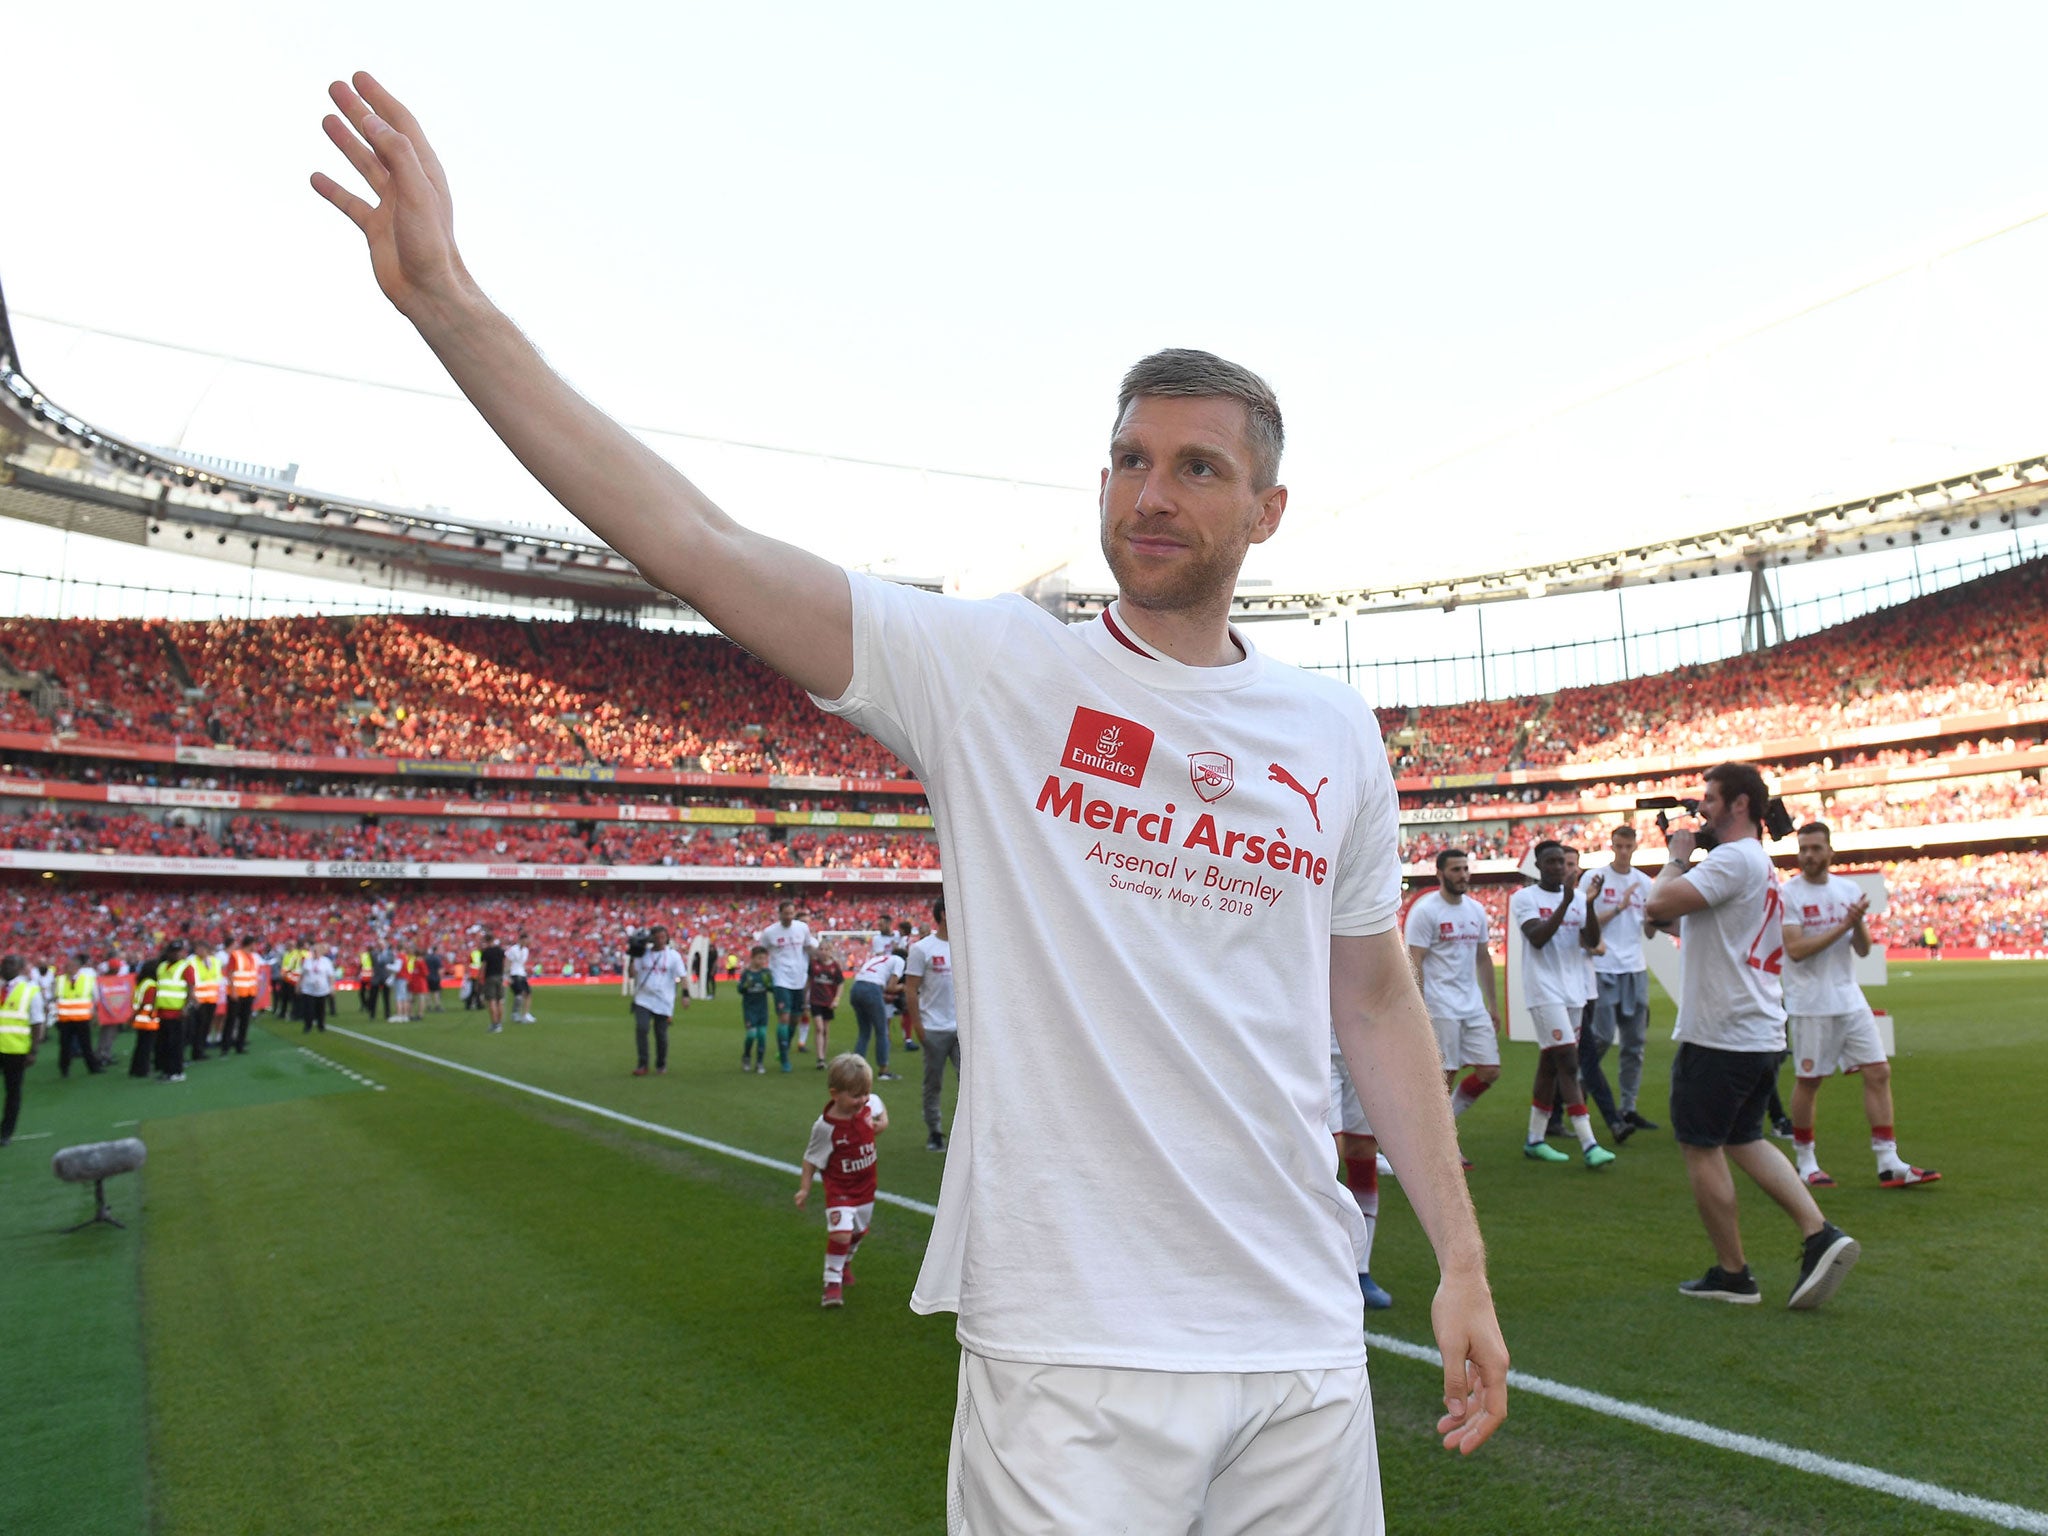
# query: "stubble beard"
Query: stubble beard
1197,586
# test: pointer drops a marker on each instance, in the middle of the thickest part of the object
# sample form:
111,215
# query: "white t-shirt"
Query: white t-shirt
1826,982
316,976
1555,975
515,960
881,969
1620,910
1145,863
1732,950
789,953
655,975
1450,933
882,943
931,960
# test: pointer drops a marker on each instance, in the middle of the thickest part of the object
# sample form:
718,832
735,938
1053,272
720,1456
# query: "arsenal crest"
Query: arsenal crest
1213,772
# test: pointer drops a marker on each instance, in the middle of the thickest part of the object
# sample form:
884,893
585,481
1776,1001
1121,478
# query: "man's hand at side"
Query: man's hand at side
1391,1049
786,605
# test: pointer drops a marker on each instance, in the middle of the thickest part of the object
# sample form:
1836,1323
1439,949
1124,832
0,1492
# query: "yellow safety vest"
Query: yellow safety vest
74,999
171,989
294,962
145,1003
17,1035
369,966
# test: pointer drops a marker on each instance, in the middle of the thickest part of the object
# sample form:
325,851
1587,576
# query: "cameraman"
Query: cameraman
1731,1031
656,971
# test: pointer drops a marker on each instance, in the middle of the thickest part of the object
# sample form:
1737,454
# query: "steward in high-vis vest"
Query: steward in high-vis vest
285,988
244,972
472,995
366,981
199,1001
173,989
78,998
144,1020
21,1031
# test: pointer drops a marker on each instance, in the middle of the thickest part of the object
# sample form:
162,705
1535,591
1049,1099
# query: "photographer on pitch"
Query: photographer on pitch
1731,1031
657,969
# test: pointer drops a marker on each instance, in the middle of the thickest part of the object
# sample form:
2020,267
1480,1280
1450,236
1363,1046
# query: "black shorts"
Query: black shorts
520,987
1718,1097
823,1013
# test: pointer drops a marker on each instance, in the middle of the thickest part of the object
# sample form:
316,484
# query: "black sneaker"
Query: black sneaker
936,1142
1825,1258
1718,1285
1640,1123
1623,1131
1782,1128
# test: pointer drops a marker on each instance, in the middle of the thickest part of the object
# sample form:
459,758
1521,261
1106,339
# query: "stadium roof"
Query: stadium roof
59,469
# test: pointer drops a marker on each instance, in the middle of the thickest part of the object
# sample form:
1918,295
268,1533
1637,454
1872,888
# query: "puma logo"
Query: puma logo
1279,775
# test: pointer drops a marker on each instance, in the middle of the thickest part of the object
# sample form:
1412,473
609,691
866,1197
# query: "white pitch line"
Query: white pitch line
881,1195
2013,1517
337,1066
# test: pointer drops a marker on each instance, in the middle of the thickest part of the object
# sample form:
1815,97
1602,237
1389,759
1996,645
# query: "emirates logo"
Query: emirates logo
1108,746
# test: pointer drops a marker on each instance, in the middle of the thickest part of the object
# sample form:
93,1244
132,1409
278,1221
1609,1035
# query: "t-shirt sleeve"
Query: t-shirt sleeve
918,961
918,661
1721,876
1417,930
1367,898
820,1147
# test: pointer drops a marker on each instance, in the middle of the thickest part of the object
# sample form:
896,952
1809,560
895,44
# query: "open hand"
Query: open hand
1475,1364
801,1196
411,226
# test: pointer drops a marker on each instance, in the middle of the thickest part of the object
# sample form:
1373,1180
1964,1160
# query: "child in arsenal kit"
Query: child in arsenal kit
842,1150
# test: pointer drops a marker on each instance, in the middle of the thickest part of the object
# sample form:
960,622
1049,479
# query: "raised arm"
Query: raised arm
784,604
1391,1049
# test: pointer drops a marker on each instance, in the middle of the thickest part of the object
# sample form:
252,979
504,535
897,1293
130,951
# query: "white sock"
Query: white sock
1887,1154
1809,1159
803,1036
1539,1122
835,1267
1582,1127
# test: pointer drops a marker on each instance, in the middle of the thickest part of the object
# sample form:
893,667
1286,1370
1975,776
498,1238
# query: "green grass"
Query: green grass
452,1306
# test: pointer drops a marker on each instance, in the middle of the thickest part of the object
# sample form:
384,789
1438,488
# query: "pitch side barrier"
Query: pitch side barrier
500,871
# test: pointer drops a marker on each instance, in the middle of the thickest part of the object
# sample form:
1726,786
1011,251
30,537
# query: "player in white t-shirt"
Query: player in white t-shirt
790,946
1170,865
1830,1021
517,958
1554,928
1621,978
1448,938
930,1013
1731,1032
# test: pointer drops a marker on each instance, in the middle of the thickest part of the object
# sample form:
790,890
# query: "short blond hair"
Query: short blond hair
849,1073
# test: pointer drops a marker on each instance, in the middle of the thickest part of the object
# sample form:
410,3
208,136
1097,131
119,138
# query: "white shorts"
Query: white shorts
1555,1024
1346,1115
1468,1042
1071,1450
1826,1043
849,1218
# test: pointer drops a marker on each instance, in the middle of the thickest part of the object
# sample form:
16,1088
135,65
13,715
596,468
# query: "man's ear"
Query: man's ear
1272,507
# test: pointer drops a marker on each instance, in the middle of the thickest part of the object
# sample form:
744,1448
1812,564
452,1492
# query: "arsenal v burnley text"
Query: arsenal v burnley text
1154,850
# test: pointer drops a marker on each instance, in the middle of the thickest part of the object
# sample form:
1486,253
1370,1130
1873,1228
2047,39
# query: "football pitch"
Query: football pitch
362,1290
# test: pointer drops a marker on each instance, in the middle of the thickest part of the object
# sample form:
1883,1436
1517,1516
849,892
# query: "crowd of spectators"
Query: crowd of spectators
468,688
570,933
437,686
423,839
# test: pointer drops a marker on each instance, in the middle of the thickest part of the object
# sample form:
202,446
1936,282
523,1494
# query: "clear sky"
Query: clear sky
935,235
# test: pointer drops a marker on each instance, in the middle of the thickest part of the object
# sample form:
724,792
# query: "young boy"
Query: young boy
754,986
842,1148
